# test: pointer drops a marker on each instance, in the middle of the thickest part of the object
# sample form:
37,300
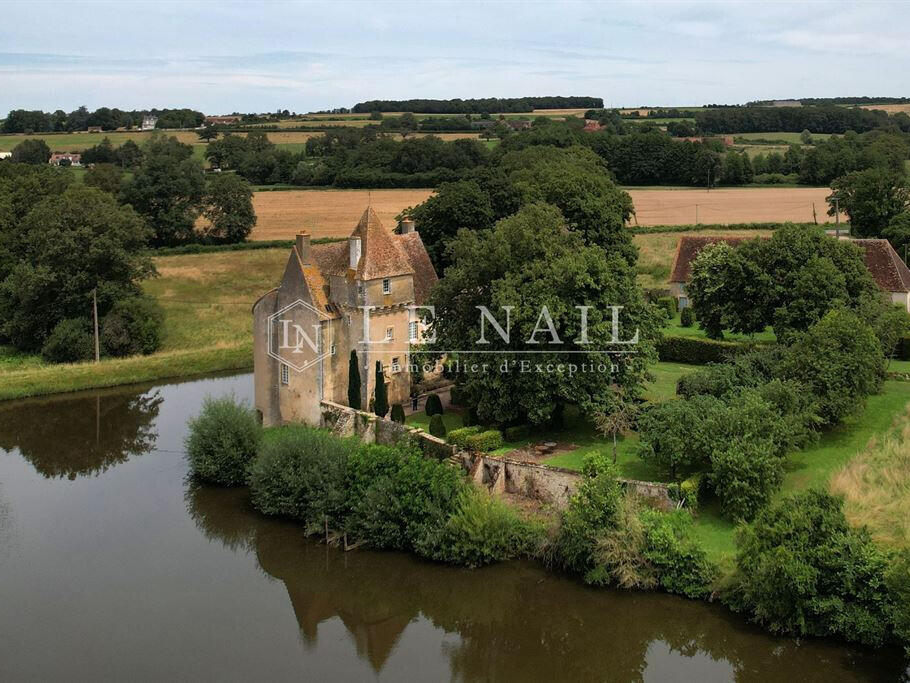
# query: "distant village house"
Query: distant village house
149,122
65,159
222,120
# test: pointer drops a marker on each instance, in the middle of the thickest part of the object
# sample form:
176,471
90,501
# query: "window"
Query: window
333,349
389,333
386,286
412,330
396,366
285,375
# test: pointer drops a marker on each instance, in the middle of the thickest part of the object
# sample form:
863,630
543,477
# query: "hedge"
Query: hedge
516,433
668,303
651,229
489,440
459,437
698,351
903,349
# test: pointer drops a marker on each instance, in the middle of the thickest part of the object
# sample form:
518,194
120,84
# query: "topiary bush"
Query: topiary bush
486,441
459,437
697,351
70,341
397,413
132,327
687,317
301,473
433,405
668,303
437,426
222,441
455,397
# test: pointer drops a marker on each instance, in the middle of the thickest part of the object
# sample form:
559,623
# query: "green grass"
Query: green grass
675,329
781,136
421,420
663,387
899,366
814,466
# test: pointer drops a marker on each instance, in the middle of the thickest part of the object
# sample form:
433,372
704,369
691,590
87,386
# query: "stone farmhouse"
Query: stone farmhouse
888,269
361,294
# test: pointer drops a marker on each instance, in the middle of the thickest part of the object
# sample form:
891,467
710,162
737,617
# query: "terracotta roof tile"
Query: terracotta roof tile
890,272
424,273
381,255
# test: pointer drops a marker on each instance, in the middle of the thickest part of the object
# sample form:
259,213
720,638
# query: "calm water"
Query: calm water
113,566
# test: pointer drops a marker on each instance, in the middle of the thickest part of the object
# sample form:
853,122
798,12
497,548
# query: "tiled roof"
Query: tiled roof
424,273
887,268
381,255
890,272
687,250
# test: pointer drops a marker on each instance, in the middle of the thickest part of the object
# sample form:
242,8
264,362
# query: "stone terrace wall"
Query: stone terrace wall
370,428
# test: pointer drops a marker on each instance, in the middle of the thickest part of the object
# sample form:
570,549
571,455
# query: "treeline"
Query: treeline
490,105
36,121
824,119
820,101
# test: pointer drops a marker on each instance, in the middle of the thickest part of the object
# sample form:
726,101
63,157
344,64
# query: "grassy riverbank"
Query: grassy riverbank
208,326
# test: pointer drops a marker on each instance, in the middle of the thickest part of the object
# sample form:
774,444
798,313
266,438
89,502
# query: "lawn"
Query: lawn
208,326
790,138
674,328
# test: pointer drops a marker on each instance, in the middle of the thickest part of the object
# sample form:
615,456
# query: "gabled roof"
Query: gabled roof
889,270
687,250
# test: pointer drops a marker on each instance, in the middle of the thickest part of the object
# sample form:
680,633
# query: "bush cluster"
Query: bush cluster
488,440
697,351
222,441
459,437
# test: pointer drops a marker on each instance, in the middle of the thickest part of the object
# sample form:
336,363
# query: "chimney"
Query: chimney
407,225
303,248
354,251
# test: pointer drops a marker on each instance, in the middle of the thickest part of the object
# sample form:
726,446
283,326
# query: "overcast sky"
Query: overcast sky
220,57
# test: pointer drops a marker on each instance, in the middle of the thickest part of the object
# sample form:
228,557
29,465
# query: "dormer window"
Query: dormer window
386,286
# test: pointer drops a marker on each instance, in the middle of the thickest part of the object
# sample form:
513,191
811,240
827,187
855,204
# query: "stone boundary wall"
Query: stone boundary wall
370,428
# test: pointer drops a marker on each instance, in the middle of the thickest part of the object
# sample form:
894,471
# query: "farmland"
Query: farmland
333,213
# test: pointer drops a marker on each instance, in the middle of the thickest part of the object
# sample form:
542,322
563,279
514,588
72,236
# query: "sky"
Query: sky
220,57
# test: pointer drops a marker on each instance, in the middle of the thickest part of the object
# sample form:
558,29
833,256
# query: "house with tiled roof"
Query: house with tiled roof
888,269
361,294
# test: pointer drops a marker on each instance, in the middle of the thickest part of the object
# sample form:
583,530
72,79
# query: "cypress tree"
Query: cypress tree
354,382
398,413
381,403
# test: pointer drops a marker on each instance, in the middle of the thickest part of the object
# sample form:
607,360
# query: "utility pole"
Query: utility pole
836,218
95,315
696,214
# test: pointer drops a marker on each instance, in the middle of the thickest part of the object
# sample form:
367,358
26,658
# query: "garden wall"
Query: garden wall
370,428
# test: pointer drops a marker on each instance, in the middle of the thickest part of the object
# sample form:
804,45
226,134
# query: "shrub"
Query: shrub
69,342
222,441
437,426
433,405
133,326
483,530
697,351
486,441
381,393
680,564
745,474
399,499
748,369
459,437
593,511
301,473
802,569
903,349
516,433
668,303
690,491
687,317
455,397
397,413
839,359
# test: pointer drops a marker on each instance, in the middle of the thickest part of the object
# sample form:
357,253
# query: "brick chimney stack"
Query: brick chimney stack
303,248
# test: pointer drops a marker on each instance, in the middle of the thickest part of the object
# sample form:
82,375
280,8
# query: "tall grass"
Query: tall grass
876,485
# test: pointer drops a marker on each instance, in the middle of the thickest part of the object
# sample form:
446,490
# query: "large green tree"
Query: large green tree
871,198
527,262
167,190
31,151
66,247
228,208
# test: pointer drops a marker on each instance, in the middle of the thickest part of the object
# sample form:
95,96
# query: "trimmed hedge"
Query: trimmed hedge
687,317
651,229
437,426
238,246
397,414
698,351
489,440
459,437
668,303
433,405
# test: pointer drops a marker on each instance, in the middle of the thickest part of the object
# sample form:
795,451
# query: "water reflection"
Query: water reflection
78,435
516,622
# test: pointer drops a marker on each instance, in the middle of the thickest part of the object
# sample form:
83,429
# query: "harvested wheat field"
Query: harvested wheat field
749,205
890,108
333,213
326,213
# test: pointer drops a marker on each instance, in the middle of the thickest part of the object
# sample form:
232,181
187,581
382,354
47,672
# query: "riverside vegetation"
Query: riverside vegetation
800,568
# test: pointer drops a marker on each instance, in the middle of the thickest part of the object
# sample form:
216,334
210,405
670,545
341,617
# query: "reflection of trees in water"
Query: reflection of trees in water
514,620
80,435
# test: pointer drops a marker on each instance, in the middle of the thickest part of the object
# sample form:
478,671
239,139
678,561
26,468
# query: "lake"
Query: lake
114,565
